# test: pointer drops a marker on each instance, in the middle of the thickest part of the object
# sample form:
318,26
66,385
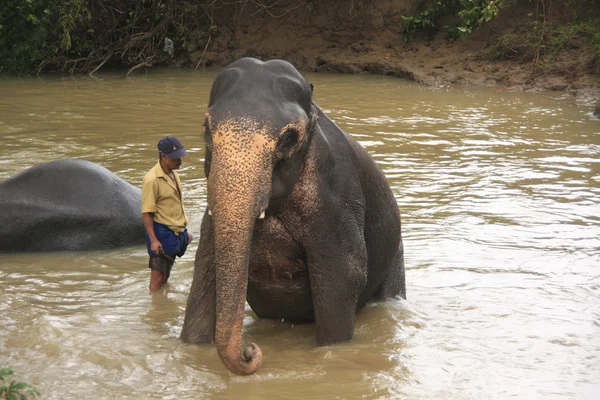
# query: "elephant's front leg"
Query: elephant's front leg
200,312
338,274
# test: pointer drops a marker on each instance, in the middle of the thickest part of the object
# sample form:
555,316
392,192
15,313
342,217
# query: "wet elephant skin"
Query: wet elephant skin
68,205
300,222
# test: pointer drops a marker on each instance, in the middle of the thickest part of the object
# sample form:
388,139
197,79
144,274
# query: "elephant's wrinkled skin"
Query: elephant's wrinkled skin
68,205
329,239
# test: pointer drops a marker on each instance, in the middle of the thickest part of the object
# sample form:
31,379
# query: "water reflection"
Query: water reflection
499,194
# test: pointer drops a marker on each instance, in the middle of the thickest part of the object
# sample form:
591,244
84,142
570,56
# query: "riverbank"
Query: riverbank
350,39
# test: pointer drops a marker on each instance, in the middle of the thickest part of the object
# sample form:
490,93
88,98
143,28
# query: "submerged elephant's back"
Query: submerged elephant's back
73,184
68,205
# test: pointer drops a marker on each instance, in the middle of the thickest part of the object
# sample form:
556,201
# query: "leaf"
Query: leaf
6,373
33,19
18,385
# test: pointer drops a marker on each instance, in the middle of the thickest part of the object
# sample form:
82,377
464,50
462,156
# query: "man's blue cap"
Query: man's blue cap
171,147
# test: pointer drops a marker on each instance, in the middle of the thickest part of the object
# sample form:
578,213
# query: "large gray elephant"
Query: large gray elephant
300,222
68,205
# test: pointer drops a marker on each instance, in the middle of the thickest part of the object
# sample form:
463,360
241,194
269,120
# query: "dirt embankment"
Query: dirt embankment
366,37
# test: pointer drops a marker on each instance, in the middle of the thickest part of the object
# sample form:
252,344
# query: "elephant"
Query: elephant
300,221
68,205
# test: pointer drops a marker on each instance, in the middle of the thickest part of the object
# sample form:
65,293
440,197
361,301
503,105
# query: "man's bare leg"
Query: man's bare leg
157,279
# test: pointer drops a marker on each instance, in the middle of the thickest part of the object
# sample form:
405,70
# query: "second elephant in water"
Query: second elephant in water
300,222
69,205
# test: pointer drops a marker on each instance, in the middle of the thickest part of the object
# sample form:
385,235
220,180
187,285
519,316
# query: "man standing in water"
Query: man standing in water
163,213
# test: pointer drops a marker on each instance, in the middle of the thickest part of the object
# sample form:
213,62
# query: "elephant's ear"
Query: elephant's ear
314,117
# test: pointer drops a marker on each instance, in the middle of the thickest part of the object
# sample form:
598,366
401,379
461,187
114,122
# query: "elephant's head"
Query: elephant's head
258,128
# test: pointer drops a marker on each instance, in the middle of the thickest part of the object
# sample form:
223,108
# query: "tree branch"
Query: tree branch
110,53
140,65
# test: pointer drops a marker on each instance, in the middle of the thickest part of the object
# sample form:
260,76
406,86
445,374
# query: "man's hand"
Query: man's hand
190,237
156,247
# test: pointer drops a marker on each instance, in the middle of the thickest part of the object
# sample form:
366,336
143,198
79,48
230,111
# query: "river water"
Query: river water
500,198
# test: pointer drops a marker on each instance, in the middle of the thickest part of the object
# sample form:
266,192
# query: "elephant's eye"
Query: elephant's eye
287,141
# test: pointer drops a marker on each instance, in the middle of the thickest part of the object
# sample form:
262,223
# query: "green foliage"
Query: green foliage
471,13
33,32
80,34
429,17
24,27
474,14
83,35
12,390
71,14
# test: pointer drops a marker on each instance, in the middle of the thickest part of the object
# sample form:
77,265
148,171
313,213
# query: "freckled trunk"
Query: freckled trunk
235,198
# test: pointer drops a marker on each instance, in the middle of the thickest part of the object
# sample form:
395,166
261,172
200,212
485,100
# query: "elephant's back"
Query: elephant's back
68,205
69,183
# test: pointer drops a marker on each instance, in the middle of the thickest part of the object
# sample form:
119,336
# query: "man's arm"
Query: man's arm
149,195
155,245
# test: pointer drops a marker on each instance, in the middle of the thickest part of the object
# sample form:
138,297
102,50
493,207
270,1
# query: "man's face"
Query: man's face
172,164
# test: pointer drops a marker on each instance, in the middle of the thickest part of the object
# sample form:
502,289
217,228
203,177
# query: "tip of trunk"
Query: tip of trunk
242,364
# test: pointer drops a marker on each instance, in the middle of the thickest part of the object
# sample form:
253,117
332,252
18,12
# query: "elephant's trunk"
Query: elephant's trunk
237,194
232,248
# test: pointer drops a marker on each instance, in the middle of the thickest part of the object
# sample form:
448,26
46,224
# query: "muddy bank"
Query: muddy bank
349,37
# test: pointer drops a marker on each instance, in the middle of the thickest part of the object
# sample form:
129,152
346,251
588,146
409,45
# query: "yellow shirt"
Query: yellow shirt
162,197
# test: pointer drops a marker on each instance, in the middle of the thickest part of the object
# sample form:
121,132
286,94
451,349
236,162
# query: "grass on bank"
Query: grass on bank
541,29
541,44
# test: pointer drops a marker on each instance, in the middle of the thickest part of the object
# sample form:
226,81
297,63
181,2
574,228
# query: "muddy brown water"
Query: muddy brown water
500,198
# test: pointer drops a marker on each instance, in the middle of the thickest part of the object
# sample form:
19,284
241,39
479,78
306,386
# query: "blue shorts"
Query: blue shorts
172,244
